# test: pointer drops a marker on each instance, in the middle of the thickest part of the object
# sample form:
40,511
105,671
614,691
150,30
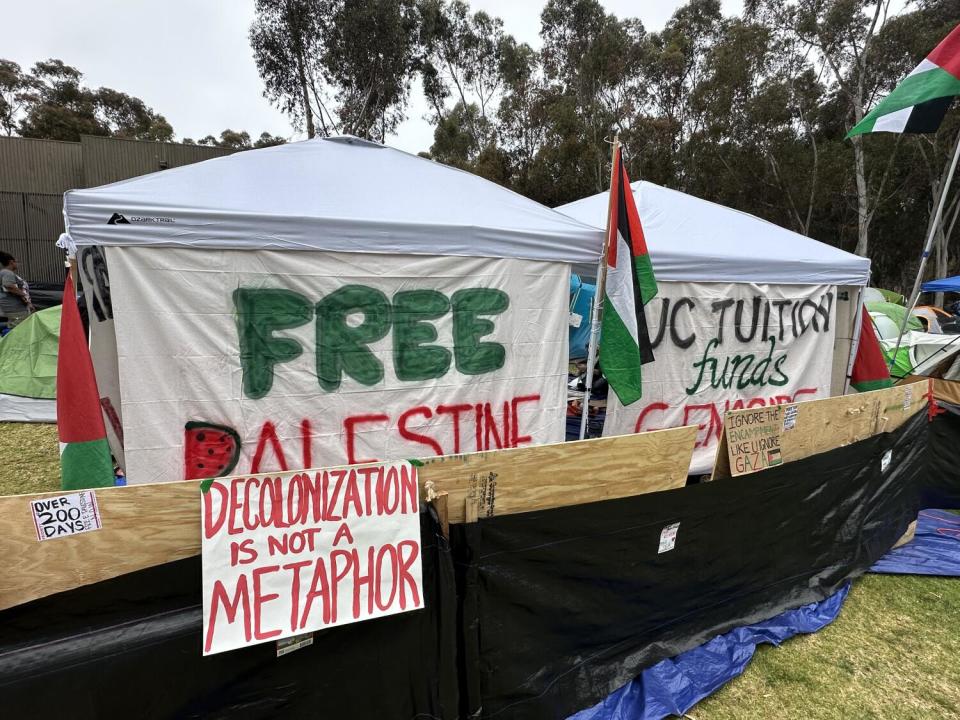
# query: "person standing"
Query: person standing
15,303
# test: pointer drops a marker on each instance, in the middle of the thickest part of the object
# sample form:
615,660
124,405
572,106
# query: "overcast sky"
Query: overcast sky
190,59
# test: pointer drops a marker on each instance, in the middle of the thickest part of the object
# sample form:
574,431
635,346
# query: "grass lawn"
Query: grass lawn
29,458
893,653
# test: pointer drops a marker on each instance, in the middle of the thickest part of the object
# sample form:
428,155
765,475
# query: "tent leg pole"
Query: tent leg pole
591,363
855,340
934,226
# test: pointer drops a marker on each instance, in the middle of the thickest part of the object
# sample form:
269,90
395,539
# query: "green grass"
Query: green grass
893,653
29,458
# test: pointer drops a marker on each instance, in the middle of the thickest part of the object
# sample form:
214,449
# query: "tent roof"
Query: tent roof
337,194
950,284
690,239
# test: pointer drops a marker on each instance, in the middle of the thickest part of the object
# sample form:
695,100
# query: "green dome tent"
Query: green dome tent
28,369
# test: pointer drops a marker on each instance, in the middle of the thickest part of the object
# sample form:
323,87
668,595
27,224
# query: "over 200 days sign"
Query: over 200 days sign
297,552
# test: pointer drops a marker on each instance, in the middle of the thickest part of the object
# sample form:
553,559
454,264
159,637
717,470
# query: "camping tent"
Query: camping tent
888,317
28,369
322,302
748,314
921,352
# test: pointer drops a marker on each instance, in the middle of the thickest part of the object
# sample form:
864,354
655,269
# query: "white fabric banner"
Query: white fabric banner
244,362
727,346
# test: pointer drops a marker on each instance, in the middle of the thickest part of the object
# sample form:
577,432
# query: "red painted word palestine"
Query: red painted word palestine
298,552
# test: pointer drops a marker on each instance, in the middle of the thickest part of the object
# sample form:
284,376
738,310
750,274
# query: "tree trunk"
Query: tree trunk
941,262
307,110
863,212
293,23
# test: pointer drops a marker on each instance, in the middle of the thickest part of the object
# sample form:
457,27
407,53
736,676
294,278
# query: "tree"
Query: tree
463,54
129,117
315,67
57,106
285,38
268,140
237,140
370,79
15,88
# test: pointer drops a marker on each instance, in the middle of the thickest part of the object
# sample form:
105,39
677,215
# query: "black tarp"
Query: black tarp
564,606
941,483
131,648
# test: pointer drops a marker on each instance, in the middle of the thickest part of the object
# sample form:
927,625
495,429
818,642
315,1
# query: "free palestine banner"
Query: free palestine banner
727,346
244,362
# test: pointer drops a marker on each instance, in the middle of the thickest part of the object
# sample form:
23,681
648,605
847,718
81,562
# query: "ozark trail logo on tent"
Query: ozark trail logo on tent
118,219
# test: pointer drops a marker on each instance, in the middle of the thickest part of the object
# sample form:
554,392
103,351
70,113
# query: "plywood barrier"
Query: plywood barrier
147,525
757,438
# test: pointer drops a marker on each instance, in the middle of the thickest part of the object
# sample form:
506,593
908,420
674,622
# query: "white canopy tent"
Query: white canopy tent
333,194
737,296
693,240
214,266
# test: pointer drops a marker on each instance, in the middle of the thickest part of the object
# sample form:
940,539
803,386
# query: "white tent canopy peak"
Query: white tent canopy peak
693,240
335,194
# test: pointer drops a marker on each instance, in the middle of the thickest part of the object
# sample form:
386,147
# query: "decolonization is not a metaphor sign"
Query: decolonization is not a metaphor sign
296,552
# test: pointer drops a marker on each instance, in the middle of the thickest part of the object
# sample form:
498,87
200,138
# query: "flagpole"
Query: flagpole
596,314
915,294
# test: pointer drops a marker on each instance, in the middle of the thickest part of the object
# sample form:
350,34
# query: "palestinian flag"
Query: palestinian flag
870,370
85,460
630,284
919,102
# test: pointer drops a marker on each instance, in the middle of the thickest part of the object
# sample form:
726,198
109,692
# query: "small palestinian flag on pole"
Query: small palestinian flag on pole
85,460
919,103
629,285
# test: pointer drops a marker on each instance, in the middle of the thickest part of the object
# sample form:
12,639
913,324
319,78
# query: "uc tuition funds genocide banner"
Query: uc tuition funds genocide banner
300,552
728,346
243,362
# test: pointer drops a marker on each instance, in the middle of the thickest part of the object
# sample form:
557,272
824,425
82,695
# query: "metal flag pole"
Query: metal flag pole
596,314
915,295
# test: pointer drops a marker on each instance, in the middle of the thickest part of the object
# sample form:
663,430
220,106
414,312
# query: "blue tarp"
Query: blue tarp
581,303
950,284
934,550
672,687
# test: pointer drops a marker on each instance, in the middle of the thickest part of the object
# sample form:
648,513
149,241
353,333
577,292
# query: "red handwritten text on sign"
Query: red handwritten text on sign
302,551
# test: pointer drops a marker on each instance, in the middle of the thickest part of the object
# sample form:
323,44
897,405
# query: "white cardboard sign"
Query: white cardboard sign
65,515
729,346
297,552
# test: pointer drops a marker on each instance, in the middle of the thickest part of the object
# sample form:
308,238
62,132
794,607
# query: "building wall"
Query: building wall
39,166
107,160
34,174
